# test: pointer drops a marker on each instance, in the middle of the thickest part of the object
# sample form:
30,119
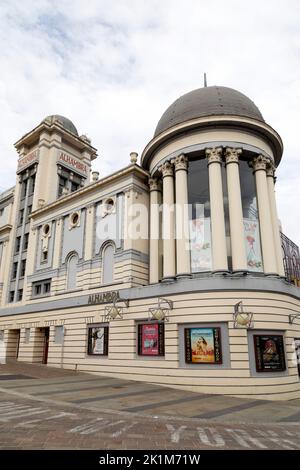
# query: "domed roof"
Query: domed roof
66,123
208,101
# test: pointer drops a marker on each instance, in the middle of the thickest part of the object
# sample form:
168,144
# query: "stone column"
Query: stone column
237,237
182,217
265,219
274,215
169,254
218,234
154,230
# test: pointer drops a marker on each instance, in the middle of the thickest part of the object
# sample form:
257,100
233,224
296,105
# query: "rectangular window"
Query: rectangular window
59,334
25,243
29,210
20,295
41,288
18,244
151,339
97,340
62,183
27,335
47,287
44,256
24,188
15,270
203,345
32,184
38,289
23,267
1,212
269,353
74,187
21,216
11,296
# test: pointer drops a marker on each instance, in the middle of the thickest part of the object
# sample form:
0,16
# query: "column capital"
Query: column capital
232,155
260,163
181,162
271,170
214,155
166,169
154,184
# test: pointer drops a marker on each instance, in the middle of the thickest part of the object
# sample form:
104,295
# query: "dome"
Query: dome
207,101
66,123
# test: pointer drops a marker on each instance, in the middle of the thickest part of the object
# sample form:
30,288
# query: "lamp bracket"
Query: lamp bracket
293,317
247,316
161,311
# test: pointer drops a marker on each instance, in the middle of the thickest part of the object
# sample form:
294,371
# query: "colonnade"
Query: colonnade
175,233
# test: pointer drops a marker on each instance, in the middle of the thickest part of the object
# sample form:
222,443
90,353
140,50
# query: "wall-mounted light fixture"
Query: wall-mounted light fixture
161,311
242,319
293,317
112,312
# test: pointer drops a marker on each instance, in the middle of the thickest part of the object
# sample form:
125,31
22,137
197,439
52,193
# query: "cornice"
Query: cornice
238,122
131,169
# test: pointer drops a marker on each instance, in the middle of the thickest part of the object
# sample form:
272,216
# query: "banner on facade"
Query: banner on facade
252,243
200,243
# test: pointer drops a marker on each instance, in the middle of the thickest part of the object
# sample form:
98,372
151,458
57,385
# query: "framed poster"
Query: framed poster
151,339
98,340
203,345
269,353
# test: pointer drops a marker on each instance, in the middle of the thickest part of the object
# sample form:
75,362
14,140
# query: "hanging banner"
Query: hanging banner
252,243
200,244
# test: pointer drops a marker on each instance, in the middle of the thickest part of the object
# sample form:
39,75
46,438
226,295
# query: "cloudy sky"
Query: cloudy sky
114,66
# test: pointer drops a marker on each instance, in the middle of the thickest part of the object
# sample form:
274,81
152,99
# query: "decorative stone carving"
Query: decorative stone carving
181,162
166,169
260,163
214,155
271,169
133,158
232,155
154,184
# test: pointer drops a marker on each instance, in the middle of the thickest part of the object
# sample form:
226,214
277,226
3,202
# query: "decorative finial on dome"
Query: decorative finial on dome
205,81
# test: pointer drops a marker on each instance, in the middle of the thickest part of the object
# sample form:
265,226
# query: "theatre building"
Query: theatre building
172,270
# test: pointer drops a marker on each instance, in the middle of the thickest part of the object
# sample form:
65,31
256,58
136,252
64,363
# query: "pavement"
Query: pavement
50,408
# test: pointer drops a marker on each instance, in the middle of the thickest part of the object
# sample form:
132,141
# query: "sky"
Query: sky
114,66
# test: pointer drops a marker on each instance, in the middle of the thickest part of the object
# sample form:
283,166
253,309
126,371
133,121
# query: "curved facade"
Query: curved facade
170,272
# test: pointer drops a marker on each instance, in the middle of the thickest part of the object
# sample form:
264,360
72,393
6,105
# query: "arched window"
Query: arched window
108,264
72,271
